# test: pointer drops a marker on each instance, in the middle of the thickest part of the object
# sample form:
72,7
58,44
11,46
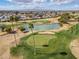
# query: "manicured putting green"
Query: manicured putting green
40,40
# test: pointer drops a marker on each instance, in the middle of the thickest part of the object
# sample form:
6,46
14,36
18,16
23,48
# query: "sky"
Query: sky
39,4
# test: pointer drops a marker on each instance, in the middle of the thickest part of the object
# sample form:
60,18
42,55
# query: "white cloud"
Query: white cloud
20,1
11,7
39,1
59,2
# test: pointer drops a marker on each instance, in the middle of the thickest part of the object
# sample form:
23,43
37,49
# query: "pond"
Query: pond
44,27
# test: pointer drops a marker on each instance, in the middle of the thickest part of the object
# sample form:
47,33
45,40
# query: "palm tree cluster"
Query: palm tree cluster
14,18
65,18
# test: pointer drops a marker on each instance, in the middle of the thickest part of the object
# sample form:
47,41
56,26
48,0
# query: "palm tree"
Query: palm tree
31,26
12,19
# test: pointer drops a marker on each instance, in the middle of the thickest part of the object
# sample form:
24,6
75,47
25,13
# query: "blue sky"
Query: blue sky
39,4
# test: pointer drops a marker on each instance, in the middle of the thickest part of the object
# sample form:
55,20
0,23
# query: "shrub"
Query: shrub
22,28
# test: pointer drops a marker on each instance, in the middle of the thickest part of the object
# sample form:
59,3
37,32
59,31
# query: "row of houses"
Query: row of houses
28,15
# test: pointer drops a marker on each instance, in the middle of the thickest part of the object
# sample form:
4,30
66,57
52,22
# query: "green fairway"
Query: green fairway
58,45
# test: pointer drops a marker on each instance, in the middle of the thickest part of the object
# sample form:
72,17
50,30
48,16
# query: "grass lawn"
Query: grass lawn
58,47
40,40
